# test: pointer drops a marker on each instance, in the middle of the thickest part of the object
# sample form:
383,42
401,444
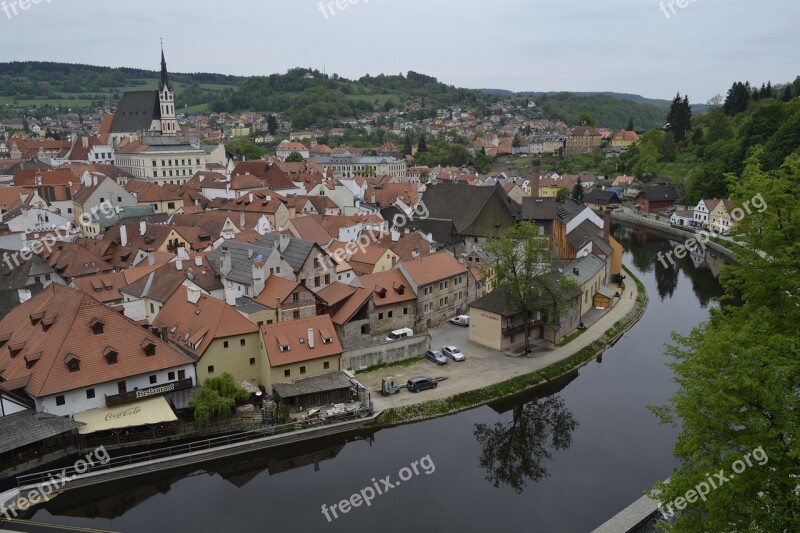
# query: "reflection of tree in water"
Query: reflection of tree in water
666,276
515,451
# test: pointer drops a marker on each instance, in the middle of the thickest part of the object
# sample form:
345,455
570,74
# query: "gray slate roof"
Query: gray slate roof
588,266
600,197
583,233
314,384
479,211
296,254
17,277
136,111
660,193
20,429
549,209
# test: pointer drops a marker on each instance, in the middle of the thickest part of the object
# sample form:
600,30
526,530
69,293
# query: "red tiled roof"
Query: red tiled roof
70,312
288,334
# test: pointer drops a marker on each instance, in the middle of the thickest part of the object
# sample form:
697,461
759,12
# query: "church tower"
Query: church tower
166,97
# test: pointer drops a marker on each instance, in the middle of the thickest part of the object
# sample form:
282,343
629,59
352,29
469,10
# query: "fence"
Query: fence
194,447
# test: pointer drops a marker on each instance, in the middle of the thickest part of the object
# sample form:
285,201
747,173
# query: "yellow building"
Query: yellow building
222,338
299,349
720,220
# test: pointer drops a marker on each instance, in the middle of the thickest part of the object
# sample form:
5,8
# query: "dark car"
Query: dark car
420,383
436,356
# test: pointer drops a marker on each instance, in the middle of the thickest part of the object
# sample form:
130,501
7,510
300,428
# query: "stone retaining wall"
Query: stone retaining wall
386,352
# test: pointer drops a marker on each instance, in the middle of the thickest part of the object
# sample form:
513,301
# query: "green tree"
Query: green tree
586,119
216,399
669,148
630,125
422,146
515,141
294,157
738,372
407,145
272,124
577,192
562,195
523,270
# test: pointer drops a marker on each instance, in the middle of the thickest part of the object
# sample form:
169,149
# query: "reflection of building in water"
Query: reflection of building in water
113,500
549,388
715,263
698,255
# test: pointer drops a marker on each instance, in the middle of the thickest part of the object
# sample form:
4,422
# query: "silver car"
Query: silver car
436,357
453,352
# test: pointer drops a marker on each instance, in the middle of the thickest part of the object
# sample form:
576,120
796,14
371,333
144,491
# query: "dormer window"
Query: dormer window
73,362
327,338
97,326
381,292
283,343
149,348
4,339
36,317
111,355
31,359
15,348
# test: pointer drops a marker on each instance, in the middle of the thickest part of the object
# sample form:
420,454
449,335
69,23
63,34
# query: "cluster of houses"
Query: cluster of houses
138,263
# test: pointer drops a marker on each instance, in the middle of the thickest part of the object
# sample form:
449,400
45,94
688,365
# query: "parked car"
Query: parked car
420,383
460,320
399,334
452,352
436,356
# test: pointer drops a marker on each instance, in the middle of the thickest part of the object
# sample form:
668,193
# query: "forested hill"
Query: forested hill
307,97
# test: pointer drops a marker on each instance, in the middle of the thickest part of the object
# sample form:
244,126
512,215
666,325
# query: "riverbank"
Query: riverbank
527,373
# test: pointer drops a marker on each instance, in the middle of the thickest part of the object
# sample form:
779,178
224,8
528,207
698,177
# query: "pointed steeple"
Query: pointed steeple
164,74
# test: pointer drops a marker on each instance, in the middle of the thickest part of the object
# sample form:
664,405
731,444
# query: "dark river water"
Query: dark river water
563,459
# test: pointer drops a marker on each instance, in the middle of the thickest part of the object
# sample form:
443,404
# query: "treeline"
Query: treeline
30,79
764,121
607,111
308,97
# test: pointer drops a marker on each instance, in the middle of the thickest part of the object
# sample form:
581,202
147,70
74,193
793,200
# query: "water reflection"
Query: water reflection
115,499
702,267
516,451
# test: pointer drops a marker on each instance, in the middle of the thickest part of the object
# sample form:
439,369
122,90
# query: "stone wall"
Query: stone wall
386,352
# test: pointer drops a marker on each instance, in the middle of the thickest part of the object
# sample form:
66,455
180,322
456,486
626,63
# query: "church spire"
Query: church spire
164,74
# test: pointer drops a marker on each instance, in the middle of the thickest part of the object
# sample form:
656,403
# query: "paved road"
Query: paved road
482,366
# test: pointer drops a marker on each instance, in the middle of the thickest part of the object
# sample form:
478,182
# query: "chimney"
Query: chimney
607,227
249,253
94,181
311,338
179,265
241,220
193,295
123,235
142,227
283,242
198,261
576,271
164,333
250,198
225,266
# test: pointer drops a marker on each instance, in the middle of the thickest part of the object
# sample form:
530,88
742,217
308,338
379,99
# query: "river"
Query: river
560,460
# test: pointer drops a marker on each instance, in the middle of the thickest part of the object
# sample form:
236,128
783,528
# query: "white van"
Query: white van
399,334
460,320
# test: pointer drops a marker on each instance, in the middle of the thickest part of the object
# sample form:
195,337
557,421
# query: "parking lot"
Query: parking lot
480,368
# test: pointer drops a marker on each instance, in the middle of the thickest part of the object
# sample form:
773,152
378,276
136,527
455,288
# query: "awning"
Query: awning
150,411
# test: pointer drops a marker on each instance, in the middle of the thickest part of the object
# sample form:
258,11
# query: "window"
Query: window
316,281
326,365
287,373
241,342
225,344
181,374
152,309
89,394
380,316
389,314
327,279
252,361
60,400
170,205
171,376
153,380
295,297
302,370
295,315
211,369
365,329
405,310
122,387
316,262
119,199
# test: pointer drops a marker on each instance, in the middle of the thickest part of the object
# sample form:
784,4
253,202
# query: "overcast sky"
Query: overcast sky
573,45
